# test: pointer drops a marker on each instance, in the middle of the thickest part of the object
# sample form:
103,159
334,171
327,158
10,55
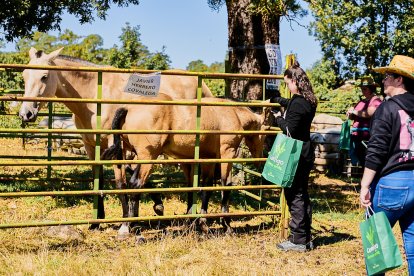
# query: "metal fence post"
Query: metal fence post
49,140
97,169
196,167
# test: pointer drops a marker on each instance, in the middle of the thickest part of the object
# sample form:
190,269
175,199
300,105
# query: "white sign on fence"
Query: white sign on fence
147,85
274,56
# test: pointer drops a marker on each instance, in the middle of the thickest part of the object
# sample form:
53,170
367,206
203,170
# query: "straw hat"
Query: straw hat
400,65
367,81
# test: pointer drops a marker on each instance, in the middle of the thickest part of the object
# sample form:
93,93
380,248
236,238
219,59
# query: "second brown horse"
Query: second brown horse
181,117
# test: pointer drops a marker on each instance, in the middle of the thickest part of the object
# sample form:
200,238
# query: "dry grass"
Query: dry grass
179,250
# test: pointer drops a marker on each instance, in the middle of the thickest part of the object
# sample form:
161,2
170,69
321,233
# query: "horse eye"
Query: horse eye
44,78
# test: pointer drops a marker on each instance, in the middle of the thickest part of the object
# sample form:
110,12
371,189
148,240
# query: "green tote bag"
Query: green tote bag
381,250
283,160
345,137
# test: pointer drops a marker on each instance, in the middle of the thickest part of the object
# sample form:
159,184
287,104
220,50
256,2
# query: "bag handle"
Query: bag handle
369,212
288,133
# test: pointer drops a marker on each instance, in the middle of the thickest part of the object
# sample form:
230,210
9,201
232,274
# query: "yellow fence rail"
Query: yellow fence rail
99,102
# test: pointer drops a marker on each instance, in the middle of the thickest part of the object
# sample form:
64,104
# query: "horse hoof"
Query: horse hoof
123,236
159,209
203,226
94,227
140,240
228,231
123,233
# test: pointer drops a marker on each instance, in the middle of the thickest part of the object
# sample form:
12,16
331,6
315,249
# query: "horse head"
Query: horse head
267,117
38,83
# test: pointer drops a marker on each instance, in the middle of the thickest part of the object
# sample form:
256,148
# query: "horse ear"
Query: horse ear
32,53
54,54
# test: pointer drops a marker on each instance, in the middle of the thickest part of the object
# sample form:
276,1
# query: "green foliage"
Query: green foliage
87,48
21,17
358,35
331,99
322,77
157,61
197,66
12,79
338,101
216,86
268,8
132,53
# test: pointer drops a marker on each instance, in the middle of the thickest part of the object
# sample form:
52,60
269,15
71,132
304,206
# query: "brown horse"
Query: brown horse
178,117
74,84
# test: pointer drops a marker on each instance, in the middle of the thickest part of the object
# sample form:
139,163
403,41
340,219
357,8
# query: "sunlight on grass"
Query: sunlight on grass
175,248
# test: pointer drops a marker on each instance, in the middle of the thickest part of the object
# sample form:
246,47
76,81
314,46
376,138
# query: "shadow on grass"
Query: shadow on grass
334,237
325,198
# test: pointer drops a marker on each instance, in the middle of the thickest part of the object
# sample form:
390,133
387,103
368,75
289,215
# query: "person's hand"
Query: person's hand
365,196
277,114
350,112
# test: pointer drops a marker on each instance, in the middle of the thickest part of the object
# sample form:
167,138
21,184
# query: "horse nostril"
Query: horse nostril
29,115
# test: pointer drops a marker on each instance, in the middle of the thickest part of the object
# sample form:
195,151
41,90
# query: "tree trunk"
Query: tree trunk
248,35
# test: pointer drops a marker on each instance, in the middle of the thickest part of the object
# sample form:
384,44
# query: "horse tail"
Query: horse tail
115,151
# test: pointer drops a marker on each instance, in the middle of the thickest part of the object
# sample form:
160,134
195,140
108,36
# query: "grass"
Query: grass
175,248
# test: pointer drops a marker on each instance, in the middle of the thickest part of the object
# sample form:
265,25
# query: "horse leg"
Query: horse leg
120,179
187,169
205,196
138,181
156,197
101,208
133,203
225,195
158,205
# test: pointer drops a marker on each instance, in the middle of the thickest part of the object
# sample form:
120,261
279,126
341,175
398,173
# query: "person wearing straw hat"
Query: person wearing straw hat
361,114
388,180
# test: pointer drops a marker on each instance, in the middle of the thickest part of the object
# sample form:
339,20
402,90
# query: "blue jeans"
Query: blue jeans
394,194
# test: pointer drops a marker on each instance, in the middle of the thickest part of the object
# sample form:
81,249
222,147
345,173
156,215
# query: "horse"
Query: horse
181,117
84,85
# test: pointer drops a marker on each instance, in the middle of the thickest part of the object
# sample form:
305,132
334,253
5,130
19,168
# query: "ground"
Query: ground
175,249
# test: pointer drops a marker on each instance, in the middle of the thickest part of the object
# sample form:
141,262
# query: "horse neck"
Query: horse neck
75,84
249,119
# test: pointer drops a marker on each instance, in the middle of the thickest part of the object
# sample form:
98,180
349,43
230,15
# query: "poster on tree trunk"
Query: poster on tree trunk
274,56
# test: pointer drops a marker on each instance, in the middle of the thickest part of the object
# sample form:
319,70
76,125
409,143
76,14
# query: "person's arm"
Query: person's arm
280,100
369,111
377,152
292,118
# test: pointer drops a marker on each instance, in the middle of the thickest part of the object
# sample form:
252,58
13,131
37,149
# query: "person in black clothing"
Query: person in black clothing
388,181
296,122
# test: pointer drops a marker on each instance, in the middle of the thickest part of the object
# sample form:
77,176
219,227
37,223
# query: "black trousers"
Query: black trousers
297,198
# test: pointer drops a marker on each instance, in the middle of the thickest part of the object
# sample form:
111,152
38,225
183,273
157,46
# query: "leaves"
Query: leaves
361,34
21,18
216,86
132,53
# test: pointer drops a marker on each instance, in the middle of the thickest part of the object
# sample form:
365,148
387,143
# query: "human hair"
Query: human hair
298,75
372,88
408,84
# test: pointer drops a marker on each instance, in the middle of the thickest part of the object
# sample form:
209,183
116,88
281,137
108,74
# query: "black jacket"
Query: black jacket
297,120
391,146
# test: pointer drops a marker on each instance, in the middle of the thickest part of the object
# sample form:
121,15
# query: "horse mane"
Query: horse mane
82,61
